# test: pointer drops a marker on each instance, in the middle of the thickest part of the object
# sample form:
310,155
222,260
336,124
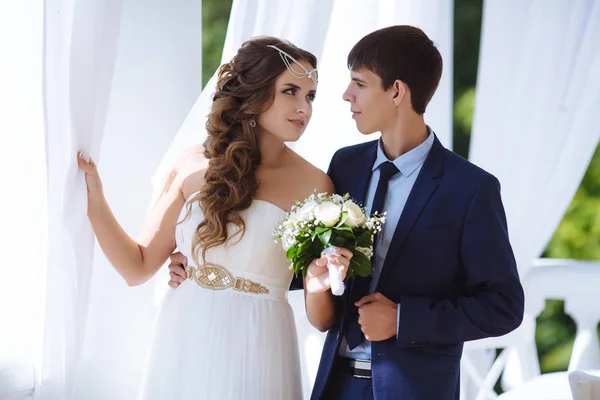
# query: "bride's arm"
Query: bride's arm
320,304
318,300
136,261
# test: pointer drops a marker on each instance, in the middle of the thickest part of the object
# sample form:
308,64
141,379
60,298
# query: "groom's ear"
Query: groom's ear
399,90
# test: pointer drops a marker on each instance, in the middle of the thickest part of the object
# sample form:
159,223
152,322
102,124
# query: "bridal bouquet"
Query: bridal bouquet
312,227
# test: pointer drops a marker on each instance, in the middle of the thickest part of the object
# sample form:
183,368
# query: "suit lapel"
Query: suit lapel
424,187
362,173
357,177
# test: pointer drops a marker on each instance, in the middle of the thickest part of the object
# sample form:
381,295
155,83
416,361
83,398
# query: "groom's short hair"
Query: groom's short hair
401,52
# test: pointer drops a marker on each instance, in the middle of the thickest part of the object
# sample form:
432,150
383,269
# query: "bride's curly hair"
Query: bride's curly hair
245,88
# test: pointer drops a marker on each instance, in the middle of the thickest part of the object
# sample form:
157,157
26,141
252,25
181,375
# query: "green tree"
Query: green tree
467,29
215,17
578,234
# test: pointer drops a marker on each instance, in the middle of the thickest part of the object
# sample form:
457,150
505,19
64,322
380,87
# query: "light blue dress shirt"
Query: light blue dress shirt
409,164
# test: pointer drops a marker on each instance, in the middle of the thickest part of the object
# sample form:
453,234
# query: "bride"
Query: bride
228,331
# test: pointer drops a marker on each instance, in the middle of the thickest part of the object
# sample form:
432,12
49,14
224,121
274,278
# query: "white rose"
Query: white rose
328,213
306,212
355,214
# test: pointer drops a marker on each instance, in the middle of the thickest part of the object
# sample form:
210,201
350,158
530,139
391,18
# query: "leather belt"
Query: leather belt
359,368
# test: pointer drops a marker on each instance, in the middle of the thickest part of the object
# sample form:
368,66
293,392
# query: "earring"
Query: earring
253,123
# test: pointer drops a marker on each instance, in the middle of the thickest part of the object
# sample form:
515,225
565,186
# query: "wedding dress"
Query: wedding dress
228,332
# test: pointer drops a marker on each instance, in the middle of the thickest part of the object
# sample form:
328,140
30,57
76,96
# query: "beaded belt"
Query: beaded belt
215,277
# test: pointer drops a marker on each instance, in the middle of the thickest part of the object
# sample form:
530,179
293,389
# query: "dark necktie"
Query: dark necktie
360,286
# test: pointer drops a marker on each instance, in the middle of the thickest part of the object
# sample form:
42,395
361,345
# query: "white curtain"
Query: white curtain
80,40
536,122
329,29
23,224
117,88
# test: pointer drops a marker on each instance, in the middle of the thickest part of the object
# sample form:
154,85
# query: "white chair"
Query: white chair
585,385
575,282
551,386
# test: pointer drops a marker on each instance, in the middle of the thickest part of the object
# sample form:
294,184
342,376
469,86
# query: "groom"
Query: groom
443,269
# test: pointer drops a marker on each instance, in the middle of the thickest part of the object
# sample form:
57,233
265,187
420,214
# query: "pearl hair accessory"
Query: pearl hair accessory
287,60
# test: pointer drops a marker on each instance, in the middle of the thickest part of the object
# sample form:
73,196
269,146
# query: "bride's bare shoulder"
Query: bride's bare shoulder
188,171
310,178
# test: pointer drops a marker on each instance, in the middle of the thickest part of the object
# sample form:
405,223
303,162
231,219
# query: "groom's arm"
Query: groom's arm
492,299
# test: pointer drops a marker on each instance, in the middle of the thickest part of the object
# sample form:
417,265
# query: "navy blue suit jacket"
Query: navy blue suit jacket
450,265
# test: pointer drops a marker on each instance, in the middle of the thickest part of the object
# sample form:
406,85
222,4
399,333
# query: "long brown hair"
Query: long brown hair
245,88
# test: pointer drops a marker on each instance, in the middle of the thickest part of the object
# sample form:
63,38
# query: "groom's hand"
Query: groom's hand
177,269
377,316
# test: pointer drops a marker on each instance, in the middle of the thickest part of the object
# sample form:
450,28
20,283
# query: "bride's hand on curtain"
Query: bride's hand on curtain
92,178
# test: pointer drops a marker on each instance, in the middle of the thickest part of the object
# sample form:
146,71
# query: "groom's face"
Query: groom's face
372,107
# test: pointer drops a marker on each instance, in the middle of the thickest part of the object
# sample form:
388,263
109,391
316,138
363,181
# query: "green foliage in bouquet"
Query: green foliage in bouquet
322,221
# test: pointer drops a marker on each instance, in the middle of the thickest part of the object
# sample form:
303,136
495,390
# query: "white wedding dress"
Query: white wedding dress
228,343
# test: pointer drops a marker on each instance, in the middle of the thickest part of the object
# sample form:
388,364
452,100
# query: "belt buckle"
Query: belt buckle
361,368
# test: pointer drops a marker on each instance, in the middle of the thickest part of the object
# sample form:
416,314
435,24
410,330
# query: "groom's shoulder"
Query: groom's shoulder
462,169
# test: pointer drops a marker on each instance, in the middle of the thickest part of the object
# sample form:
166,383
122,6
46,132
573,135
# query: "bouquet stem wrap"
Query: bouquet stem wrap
335,278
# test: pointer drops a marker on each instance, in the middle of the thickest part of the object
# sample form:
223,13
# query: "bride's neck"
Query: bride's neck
271,149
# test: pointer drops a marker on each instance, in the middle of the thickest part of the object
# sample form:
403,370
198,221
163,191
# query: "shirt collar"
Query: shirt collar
407,163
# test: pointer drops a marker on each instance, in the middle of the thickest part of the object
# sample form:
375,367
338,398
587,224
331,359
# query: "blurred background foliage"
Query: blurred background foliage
578,234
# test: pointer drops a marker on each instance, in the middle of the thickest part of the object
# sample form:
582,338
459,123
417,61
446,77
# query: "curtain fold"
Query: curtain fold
80,40
23,203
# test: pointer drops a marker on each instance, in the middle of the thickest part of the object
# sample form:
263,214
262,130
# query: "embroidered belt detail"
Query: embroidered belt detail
215,277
